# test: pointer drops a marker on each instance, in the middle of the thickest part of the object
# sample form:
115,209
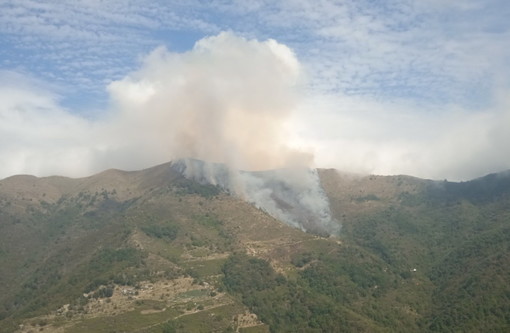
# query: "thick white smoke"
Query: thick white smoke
225,101
292,195
231,100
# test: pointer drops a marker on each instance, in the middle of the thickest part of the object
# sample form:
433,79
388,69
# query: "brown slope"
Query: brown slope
62,223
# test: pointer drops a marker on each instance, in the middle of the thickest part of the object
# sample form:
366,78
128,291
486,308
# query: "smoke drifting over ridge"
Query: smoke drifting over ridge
292,195
227,101
231,100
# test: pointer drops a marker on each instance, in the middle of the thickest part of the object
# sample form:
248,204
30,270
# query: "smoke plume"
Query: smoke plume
225,101
292,195
237,102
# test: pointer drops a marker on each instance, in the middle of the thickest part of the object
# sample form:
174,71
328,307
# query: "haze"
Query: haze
404,88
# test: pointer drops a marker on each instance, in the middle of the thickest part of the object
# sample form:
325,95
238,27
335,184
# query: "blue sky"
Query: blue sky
417,87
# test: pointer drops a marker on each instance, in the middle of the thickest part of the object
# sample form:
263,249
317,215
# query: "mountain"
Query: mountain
159,251
452,240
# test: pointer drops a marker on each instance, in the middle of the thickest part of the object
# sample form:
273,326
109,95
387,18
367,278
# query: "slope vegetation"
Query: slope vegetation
151,251
450,241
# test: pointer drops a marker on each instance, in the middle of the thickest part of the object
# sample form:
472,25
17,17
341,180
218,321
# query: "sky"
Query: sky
384,87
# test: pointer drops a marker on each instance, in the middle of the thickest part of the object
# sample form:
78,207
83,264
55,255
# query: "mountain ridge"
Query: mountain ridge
165,165
405,244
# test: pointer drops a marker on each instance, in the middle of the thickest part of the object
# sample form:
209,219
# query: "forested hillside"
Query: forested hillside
455,237
151,251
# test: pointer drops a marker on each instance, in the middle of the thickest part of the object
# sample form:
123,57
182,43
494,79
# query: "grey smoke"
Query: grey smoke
291,195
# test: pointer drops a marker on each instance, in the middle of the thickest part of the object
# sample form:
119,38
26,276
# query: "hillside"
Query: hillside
152,251
451,240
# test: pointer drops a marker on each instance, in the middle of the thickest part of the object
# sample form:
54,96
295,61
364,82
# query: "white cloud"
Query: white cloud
359,135
102,38
400,86
430,51
37,136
